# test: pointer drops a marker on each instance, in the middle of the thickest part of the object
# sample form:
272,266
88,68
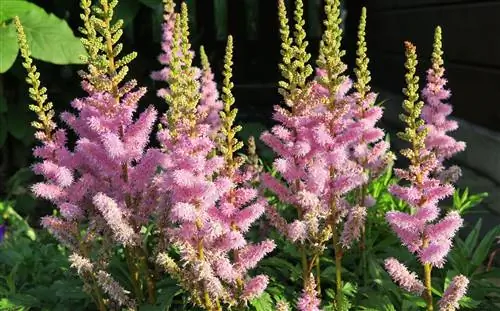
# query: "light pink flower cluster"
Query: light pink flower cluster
435,114
453,293
405,279
209,217
313,145
210,208
107,179
421,231
309,300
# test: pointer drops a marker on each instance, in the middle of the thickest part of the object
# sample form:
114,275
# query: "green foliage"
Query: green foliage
50,37
34,271
463,202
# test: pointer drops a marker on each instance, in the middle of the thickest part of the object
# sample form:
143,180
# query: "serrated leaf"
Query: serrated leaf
263,303
8,47
50,38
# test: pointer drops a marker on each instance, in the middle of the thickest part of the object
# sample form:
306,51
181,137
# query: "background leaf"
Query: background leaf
50,38
8,47
11,8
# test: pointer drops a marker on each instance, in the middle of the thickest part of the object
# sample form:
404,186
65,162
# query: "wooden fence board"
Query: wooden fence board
475,90
470,33
398,4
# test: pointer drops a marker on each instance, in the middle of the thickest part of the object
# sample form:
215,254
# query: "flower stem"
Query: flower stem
134,274
338,268
305,265
318,275
428,286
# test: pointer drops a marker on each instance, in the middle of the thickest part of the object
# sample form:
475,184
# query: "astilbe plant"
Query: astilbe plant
103,187
211,209
423,232
327,144
201,197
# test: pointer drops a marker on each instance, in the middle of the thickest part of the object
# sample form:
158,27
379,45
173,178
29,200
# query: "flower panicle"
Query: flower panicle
294,68
361,71
230,143
436,111
415,132
330,51
43,108
105,71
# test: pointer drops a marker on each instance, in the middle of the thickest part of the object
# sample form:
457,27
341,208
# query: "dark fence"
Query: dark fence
471,45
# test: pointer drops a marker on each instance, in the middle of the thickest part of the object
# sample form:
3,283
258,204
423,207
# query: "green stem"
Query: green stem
338,268
305,265
318,275
428,287
150,283
134,274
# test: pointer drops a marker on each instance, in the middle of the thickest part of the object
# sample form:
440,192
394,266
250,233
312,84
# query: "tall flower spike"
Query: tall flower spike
330,52
101,42
436,111
362,84
415,132
184,86
420,231
294,67
37,93
228,115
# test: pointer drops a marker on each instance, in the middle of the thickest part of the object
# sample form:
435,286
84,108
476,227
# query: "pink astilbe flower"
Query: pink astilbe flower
308,300
421,230
436,111
353,225
91,183
210,105
453,293
255,287
405,279
211,206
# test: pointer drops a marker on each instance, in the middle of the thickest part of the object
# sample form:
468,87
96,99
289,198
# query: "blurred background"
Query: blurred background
471,48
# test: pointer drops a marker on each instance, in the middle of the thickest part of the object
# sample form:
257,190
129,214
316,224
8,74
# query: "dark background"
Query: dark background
470,30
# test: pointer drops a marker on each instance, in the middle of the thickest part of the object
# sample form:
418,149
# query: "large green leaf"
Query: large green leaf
8,47
50,38
11,8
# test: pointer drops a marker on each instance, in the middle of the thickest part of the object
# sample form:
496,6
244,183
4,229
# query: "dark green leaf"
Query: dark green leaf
50,38
11,8
471,240
127,10
8,47
481,252
3,130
